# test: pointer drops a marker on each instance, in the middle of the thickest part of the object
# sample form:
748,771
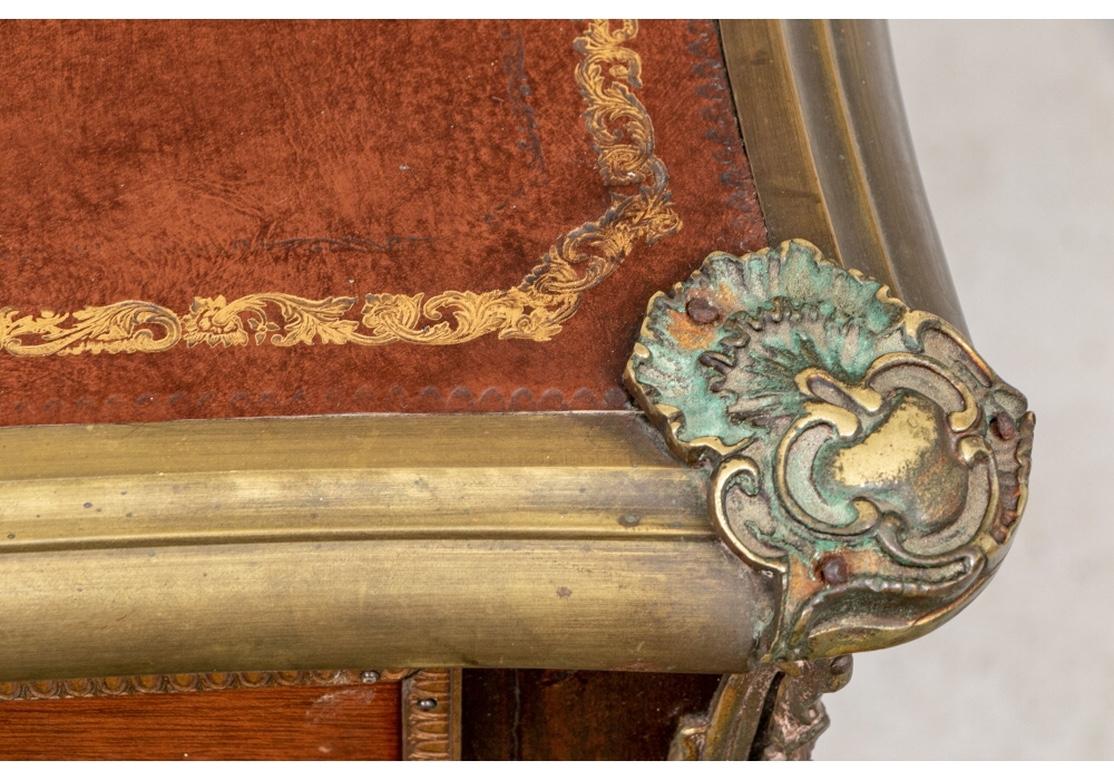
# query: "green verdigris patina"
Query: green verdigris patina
862,451
786,310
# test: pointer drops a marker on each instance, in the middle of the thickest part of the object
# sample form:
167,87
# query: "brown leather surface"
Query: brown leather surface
360,722
162,161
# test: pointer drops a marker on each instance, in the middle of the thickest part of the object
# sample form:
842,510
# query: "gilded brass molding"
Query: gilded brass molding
607,75
160,547
89,687
431,709
862,453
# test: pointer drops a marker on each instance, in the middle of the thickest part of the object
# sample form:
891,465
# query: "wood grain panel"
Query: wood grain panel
576,716
311,722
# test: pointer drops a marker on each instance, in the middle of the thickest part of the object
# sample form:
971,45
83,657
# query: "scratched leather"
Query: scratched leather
162,161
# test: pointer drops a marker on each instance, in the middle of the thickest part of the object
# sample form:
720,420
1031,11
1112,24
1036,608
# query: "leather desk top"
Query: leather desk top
424,216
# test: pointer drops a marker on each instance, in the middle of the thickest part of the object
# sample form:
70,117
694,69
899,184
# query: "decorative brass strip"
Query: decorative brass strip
607,75
820,109
88,687
431,713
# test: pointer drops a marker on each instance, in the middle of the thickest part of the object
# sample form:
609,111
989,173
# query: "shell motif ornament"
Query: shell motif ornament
860,451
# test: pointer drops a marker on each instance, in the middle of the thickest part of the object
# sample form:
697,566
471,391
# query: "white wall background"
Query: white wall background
1013,124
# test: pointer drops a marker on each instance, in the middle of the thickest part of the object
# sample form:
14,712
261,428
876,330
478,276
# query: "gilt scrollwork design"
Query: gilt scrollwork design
608,76
861,452
128,326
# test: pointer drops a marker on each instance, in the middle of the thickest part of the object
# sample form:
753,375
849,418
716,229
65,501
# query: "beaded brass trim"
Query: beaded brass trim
88,687
608,74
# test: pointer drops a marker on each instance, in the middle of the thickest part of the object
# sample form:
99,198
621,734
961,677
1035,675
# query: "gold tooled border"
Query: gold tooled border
608,74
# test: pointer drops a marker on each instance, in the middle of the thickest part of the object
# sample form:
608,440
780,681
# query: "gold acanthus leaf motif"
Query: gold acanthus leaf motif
127,326
607,75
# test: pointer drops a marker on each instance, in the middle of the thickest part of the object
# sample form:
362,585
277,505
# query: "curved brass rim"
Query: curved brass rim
820,110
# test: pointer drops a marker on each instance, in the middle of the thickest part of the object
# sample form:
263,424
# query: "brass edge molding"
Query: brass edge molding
431,717
820,111
566,604
336,542
89,687
862,454
607,75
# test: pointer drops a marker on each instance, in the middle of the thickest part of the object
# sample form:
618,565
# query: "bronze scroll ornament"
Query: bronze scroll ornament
861,453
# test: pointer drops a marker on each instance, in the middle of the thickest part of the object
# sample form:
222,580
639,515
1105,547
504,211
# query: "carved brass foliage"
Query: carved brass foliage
862,452
608,75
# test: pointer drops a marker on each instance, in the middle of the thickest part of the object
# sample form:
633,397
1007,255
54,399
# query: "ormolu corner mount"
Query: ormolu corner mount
861,452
